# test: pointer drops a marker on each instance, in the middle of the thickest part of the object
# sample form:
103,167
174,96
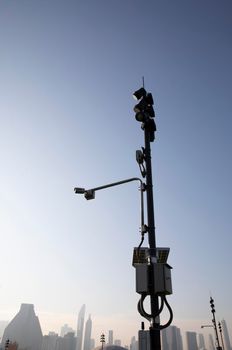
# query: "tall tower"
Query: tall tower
171,338
201,341
24,329
164,338
179,339
80,327
211,342
110,337
133,344
88,330
191,338
225,334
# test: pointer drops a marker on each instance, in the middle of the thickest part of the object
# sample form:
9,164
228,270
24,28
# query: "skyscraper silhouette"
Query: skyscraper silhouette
191,338
80,327
225,335
110,337
211,342
201,341
171,338
88,330
24,329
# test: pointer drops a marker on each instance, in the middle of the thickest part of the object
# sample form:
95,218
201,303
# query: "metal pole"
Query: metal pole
155,343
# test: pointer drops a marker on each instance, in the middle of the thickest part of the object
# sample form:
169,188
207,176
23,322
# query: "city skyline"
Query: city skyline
68,71
173,338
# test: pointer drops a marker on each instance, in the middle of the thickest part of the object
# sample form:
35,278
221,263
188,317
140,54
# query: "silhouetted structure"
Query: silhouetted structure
134,344
110,337
80,328
211,342
201,342
65,329
171,338
50,341
191,338
226,335
24,329
88,330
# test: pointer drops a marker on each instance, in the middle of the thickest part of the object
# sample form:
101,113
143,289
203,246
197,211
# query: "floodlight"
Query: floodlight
79,190
139,93
141,106
140,117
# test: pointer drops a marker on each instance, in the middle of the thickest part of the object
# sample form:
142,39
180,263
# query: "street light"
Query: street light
144,113
102,340
211,301
153,274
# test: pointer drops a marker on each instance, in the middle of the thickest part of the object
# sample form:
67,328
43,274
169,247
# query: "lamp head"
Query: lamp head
79,190
141,117
140,93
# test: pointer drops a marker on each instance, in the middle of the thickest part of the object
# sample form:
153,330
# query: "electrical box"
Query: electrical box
162,279
148,273
142,278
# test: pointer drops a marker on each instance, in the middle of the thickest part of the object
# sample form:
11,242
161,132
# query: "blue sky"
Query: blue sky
68,70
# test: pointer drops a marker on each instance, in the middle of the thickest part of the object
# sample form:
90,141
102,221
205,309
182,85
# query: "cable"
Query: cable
142,239
161,306
149,317
171,315
141,308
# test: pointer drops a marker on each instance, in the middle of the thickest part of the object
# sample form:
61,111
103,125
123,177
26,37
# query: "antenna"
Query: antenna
143,81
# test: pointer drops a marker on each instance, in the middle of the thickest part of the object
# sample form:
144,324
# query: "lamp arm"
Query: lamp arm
142,189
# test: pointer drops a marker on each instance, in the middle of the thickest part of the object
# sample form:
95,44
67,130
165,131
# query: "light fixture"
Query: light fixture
139,93
140,117
79,190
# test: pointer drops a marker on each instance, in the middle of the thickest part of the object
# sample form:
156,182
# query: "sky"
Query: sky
68,71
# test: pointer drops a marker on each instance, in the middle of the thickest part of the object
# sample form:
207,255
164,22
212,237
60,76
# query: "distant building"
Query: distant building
110,337
69,341
117,342
60,343
88,330
80,327
225,335
24,329
191,338
211,342
201,342
164,339
49,341
92,344
171,338
134,344
65,329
